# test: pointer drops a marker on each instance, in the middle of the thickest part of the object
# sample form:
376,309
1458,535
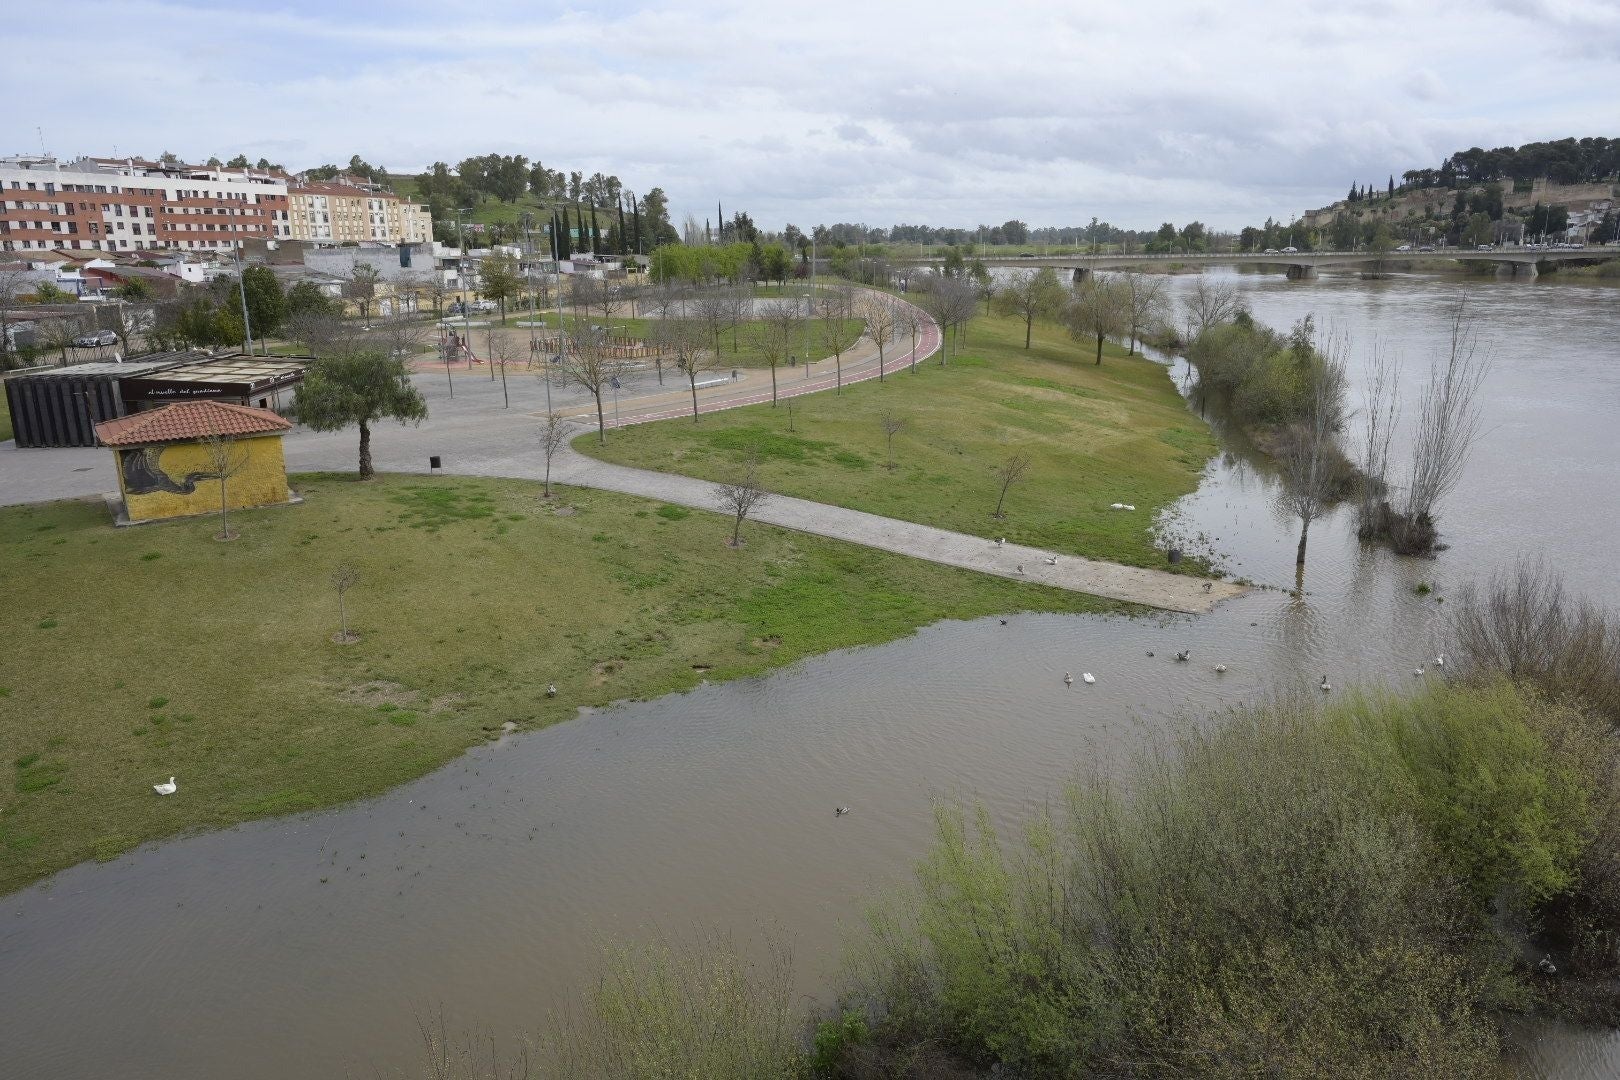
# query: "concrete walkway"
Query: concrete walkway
476,434
1152,588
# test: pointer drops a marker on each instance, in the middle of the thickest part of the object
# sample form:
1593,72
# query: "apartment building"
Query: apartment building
130,204
349,210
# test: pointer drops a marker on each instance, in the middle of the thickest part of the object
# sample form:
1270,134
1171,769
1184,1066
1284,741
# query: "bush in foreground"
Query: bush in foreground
1293,893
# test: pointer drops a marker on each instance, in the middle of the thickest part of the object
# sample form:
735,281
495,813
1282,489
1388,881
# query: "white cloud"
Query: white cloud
944,113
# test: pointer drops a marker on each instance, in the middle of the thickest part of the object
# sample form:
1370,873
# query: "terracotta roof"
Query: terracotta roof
189,420
347,191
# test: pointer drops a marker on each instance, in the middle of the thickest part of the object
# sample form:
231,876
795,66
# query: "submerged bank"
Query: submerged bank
143,653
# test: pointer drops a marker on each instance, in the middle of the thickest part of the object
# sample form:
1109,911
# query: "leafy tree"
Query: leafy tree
240,161
266,304
47,292
498,279
305,297
655,219
358,388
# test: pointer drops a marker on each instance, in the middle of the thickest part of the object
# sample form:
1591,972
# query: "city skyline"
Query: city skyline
956,117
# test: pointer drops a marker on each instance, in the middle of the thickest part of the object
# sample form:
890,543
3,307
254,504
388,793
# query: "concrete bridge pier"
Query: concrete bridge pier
1081,273
1301,272
1524,271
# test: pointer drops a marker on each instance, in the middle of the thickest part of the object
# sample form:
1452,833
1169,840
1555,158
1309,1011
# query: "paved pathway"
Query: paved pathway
1153,588
477,435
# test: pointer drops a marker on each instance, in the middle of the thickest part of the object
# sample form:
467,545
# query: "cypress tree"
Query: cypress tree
635,220
564,248
596,232
622,250
1392,185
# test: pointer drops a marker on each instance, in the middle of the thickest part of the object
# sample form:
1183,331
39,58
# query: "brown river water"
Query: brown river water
309,946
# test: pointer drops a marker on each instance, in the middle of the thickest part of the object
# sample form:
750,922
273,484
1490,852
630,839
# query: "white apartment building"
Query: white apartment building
129,204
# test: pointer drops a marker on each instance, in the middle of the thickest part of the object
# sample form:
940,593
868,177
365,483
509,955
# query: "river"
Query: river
311,945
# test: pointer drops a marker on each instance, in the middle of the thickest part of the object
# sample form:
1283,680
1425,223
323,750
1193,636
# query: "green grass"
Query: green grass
216,662
737,348
5,417
1096,436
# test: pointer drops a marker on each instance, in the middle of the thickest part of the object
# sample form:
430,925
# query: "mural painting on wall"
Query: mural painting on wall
144,474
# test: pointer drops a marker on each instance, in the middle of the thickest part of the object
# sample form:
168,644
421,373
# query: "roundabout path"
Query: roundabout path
477,435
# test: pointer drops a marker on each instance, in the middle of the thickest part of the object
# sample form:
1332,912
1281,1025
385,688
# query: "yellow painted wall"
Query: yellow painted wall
262,481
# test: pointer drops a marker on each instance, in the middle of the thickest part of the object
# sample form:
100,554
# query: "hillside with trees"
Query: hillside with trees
1535,193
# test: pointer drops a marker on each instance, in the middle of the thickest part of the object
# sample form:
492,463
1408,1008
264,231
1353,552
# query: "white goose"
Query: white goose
166,789
1088,678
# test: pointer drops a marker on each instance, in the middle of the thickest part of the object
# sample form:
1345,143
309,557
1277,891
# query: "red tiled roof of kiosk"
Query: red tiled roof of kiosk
189,420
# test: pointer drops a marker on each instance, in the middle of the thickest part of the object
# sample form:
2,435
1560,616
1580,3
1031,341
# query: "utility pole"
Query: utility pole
241,285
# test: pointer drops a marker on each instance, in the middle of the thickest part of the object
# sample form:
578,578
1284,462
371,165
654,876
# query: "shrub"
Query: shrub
1297,891
1523,625
682,1011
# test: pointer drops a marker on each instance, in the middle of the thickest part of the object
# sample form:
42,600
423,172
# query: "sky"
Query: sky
878,111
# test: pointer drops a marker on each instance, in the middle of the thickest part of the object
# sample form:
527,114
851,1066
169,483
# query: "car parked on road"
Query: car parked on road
1404,247
1290,251
95,340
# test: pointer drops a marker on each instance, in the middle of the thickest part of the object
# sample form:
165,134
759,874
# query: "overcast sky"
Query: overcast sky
1136,111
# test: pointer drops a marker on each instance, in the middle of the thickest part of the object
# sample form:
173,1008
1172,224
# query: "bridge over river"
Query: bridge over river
1510,262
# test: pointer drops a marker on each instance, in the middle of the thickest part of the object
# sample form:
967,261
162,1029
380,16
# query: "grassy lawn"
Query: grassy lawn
1096,435
5,416
737,347
134,654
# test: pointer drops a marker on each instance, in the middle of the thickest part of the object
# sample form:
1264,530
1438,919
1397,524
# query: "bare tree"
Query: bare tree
322,334
223,458
1379,415
688,340
1448,425
553,436
408,288
58,333
715,310
878,312
344,577
1009,473
953,302
438,289
741,496
780,324
662,302
1097,312
1309,466
1031,296
834,307
892,426
503,351
1146,303
740,301
909,319
401,333
588,362
1211,303
360,286
15,281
